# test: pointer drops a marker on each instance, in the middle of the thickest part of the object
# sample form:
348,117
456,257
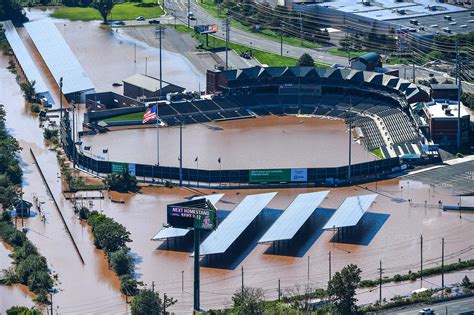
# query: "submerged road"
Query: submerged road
463,306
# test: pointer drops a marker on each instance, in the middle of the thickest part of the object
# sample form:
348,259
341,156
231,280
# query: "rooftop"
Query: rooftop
444,87
438,110
146,82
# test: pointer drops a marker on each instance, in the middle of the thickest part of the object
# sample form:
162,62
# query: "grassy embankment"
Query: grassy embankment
122,11
213,9
377,152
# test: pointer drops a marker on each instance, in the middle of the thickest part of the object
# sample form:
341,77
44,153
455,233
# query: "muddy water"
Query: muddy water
267,142
397,243
91,285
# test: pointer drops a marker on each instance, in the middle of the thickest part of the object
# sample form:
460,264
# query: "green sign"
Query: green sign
270,176
119,168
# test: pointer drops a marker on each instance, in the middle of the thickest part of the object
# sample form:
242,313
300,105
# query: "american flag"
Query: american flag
150,114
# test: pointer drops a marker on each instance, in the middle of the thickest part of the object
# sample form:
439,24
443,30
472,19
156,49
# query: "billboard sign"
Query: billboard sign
279,175
199,214
132,170
206,29
119,168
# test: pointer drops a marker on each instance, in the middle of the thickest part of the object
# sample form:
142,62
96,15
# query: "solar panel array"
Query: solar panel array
350,212
57,55
170,232
294,217
24,58
235,224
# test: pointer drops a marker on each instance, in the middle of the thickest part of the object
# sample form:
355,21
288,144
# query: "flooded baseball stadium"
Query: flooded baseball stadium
389,232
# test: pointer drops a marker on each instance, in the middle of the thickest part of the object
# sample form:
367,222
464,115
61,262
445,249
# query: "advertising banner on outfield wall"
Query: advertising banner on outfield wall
278,175
299,174
119,168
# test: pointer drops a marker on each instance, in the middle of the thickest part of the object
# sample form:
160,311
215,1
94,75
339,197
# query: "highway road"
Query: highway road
464,307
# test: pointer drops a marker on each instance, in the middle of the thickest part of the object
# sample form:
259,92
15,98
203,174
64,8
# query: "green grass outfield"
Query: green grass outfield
270,59
126,117
212,8
121,11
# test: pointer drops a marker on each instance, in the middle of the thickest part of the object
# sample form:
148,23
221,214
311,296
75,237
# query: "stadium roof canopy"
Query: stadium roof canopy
294,217
170,232
24,58
350,212
145,82
244,77
57,55
235,224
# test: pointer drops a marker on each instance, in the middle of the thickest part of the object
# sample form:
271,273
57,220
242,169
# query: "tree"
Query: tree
146,302
129,286
29,91
341,289
121,262
306,61
122,182
248,301
23,310
104,7
110,235
433,81
12,10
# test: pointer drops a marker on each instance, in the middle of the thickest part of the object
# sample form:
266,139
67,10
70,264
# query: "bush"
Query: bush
49,134
129,286
123,182
397,278
121,262
23,310
84,213
35,108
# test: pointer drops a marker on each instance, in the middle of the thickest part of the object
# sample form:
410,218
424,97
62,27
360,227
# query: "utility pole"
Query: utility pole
442,262
414,79
301,27
421,259
153,286
350,141
242,280
330,266
281,41
279,291
182,281
164,304
60,100
135,54
146,65
458,80
380,282
197,303
308,271
73,104
159,33
180,153
189,6
51,306
227,31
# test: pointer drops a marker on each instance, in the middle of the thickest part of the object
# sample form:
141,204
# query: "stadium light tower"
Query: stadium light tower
350,141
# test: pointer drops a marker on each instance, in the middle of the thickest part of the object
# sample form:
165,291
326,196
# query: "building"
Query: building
422,18
367,62
22,207
442,118
144,86
444,92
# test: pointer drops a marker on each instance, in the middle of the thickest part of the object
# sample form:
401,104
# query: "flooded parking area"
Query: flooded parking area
264,142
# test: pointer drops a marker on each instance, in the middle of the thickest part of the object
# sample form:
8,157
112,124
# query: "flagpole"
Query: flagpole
197,170
157,137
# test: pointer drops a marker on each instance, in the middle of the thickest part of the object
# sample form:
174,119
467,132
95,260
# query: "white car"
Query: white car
426,311
140,18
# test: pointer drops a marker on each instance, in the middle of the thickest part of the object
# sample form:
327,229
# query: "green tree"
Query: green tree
24,251
146,302
23,310
248,301
306,61
342,287
129,286
29,266
12,10
104,7
122,182
433,81
121,262
29,91
108,234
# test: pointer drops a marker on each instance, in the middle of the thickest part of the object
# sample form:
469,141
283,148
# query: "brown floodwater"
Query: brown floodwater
92,288
265,142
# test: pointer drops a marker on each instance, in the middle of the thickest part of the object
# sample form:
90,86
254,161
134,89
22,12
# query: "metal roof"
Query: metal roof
57,55
170,232
294,217
24,58
145,82
350,212
235,223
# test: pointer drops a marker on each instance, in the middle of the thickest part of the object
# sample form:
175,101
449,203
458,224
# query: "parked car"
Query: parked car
154,22
140,18
191,16
426,311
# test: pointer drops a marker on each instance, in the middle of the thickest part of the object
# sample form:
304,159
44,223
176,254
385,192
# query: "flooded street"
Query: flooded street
393,235
264,142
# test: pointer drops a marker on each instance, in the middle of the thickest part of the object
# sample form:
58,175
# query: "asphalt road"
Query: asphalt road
464,307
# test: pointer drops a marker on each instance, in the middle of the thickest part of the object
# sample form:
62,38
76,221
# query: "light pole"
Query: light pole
60,100
73,104
180,153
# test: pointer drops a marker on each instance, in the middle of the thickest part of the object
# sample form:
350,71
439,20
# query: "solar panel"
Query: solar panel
235,223
170,232
57,55
350,212
24,58
294,217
